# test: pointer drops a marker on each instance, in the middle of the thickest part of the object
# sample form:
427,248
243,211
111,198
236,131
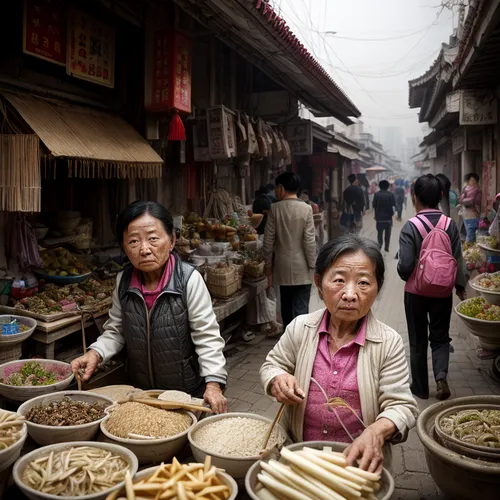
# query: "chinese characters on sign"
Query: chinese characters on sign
299,135
44,33
489,183
478,108
160,70
181,73
91,49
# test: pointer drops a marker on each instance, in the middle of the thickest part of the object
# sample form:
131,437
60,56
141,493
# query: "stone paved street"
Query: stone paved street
468,376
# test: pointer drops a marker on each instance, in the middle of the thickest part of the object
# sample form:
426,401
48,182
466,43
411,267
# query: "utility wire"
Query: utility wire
355,39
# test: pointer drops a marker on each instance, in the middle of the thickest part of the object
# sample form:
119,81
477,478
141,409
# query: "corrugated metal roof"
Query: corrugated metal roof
70,131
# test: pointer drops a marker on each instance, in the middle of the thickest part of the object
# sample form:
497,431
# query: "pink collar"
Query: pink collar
136,281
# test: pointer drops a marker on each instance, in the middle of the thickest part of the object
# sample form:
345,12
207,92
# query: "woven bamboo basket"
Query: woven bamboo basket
221,276
253,270
227,290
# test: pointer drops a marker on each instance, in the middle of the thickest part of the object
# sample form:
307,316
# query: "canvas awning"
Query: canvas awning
95,143
350,154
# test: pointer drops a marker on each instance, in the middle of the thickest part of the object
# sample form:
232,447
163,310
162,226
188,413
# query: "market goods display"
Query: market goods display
478,427
139,421
488,241
33,373
57,299
179,481
474,257
13,328
66,412
314,474
61,262
478,308
490,282
236,437
11,428
77,471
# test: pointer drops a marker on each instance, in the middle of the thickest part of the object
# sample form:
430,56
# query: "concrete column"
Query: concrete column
468,164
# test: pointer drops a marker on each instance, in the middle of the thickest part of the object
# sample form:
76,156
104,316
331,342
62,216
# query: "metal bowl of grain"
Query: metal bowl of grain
65,416
233,440
153,434
38,474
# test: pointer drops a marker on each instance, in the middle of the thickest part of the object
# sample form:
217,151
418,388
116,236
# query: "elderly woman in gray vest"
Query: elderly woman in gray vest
162,313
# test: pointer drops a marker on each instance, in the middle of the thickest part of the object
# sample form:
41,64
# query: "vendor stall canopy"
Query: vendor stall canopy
95,143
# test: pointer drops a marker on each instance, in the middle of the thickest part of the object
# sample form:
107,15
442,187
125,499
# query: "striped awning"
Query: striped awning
96,144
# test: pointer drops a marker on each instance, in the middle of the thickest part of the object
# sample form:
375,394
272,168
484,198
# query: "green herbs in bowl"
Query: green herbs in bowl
32,373
478,308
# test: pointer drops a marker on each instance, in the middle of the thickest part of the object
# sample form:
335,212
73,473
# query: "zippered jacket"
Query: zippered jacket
177,344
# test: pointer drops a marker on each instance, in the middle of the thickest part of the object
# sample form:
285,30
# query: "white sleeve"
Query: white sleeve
205,331
111,342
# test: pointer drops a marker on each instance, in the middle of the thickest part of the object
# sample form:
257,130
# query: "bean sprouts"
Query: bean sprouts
75,472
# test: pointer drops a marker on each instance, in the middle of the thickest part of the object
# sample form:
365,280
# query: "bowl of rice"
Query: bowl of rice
65,416
91,471
28,378
152,434
233,440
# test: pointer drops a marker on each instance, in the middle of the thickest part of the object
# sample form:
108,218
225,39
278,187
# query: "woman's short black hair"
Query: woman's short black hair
350,243
290,182
429,190
470,176
384,185
139,208
351,178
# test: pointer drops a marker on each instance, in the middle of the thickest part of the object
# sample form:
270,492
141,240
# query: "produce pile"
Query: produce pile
66,412
79,471
67,298
490,282
176,481
237,437
315,474
11,427
488,241
473,256
139,421
61,262
478,308
33,373
479,427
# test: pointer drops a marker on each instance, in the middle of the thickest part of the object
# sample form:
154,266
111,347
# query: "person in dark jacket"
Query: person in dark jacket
162,314
428,318
399,196
354,205
383,204
262,204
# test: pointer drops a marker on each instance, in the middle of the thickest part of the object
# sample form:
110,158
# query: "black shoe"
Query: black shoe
417,394
442,390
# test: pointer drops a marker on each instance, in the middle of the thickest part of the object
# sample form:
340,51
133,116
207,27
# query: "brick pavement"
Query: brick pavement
468,375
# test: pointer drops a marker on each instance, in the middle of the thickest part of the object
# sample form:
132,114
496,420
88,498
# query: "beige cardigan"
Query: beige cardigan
383,377
291,238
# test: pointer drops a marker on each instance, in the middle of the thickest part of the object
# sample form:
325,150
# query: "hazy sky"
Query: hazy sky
381,69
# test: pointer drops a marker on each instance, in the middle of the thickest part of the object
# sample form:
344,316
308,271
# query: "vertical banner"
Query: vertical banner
44,30
90,49
489,183
181,73
160,97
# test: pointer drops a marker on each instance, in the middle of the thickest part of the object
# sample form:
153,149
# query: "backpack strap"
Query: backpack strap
443,223
420,226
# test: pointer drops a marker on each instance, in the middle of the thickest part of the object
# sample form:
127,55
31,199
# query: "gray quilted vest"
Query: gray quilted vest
161,353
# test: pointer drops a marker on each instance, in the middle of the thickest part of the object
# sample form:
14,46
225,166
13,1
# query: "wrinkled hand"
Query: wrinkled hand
367,450
286,390
214,397
86,363
461,294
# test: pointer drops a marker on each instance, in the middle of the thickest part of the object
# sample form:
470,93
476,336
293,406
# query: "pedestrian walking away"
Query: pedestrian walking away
290,247
399,196
383,204
431,263
354,204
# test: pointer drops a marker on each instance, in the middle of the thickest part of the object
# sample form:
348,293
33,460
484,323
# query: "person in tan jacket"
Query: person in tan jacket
290,247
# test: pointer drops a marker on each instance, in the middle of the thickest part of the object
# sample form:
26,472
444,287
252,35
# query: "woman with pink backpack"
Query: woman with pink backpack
431,263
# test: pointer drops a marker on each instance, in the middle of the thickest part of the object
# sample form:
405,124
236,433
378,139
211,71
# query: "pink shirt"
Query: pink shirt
150,296
338,376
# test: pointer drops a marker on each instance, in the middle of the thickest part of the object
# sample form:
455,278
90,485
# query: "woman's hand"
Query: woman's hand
286,390
86,363
214,397
367,448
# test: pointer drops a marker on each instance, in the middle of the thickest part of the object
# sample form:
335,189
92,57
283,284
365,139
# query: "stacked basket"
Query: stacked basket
223,280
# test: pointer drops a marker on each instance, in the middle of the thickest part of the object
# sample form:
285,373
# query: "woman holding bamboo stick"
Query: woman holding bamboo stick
342,374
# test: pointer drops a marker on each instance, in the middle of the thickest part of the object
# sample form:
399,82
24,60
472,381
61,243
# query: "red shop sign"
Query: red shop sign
171,72
44,30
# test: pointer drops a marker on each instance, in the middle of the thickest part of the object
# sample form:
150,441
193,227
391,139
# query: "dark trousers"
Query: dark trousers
294,302
428,320
387,228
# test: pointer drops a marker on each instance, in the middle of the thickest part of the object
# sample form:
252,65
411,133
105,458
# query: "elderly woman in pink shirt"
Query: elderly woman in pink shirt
344,352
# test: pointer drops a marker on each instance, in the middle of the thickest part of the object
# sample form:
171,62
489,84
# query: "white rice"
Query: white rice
237,437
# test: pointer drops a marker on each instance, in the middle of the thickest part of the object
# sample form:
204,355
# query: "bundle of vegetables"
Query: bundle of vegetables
490,282
32,373
315,474
478,308
473,256
479,427
488,241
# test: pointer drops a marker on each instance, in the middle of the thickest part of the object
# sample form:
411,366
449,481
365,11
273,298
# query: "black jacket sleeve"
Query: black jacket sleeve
456,246
375,201
408,251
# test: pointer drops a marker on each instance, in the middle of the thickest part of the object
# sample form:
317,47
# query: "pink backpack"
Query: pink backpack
436,270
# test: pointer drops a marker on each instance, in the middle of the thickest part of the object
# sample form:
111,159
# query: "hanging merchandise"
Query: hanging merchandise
287,157
262,140
249,145
171,82
20,178
23,246
221,133
241,135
